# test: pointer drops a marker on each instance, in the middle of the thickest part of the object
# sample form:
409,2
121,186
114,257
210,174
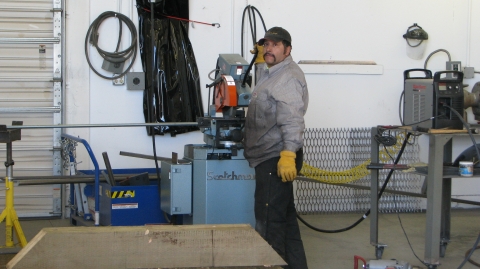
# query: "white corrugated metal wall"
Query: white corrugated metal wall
31,33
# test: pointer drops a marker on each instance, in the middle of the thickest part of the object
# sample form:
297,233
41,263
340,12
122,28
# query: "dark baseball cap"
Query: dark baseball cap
276,34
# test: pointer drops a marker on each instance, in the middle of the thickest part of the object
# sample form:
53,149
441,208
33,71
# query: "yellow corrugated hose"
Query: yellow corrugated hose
354,173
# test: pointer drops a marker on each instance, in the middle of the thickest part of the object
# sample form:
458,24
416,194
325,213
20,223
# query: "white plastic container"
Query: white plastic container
466,169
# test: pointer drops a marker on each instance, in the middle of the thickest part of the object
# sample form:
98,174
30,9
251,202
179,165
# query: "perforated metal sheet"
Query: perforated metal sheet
341,149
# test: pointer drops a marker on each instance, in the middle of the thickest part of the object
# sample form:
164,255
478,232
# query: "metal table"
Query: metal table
439,186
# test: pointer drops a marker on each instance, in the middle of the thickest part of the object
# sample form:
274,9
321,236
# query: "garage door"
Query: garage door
31,90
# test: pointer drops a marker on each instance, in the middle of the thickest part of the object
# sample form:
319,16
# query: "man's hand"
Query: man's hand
258,49
286,166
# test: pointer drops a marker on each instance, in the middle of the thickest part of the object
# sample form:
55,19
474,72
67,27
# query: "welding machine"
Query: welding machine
429,101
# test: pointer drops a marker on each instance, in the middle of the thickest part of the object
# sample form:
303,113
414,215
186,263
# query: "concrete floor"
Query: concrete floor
326,250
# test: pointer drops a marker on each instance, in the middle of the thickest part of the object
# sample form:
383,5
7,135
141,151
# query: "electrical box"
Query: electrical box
136,81
176,188
468,72
453,66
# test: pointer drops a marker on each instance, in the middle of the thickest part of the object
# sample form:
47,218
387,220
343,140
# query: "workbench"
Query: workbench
438,191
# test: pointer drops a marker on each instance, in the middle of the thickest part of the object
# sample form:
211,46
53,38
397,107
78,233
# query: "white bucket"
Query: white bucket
466,169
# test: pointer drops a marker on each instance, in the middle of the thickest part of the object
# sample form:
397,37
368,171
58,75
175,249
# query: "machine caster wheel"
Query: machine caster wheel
443,249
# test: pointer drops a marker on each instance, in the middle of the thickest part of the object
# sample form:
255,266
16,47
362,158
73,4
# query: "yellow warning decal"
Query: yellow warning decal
120,194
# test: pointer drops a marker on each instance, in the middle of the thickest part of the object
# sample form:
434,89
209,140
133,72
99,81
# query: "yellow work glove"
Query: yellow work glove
259,50
286,166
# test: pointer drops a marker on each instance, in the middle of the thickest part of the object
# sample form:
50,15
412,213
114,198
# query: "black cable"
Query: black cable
115,57
400,107
403,229
470,260
248,69
150,96
400,153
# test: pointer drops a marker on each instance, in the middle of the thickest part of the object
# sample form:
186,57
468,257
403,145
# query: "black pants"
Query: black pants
275,213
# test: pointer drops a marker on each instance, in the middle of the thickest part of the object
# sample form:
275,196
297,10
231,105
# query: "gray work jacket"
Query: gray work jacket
274,119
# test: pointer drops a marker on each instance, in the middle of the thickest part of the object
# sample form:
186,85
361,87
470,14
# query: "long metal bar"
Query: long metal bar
151,157
17,58
414,194
30,40
54,109
434,198
6,9
23,181
24,79
374,174
101,125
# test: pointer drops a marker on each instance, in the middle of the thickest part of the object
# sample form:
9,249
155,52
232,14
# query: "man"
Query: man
273,144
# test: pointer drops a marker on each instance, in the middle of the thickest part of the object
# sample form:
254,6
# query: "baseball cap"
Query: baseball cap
276,34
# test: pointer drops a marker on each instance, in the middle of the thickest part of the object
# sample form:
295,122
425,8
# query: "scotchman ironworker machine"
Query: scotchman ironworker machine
213,183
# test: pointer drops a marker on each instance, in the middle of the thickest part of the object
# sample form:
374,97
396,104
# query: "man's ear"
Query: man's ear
288,50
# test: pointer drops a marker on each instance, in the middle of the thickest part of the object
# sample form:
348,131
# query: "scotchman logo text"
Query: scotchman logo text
227,176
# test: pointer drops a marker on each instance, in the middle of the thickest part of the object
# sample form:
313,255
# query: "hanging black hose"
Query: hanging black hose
400,153
150,97
248,69
253,24
116,57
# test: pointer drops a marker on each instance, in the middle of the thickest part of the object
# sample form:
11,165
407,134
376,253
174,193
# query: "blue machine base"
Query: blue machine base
128,205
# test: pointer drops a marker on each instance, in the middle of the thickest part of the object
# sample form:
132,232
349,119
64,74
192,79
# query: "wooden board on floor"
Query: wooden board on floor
156,246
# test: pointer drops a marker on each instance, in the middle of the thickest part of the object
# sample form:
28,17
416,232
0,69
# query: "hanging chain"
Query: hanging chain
69,154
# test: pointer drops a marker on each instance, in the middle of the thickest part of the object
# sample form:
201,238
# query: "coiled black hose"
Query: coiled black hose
116,56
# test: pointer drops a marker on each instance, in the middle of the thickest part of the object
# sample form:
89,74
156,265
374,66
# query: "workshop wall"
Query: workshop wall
321,30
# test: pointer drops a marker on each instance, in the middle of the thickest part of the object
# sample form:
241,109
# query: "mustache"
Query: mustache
267,53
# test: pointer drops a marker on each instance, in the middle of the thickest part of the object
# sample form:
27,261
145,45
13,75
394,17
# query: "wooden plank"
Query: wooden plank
435,131
446,131
160,246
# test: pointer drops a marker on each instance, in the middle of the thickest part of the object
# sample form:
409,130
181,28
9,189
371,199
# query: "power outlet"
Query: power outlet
135,81
119,81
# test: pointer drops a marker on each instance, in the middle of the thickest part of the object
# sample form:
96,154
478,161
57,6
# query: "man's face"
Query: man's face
274,52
